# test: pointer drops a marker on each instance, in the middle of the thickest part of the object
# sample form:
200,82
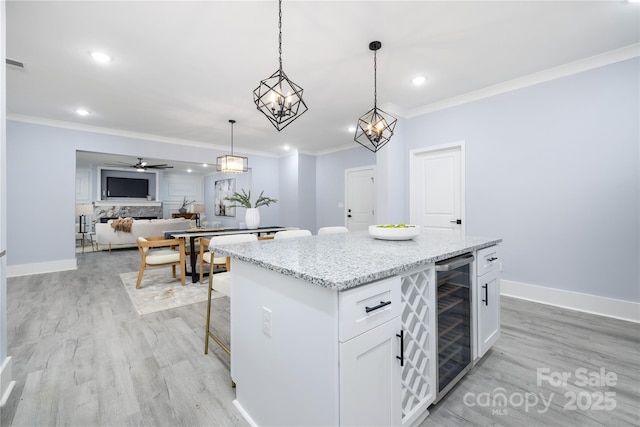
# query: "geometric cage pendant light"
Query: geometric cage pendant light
375,127
277,97
231,163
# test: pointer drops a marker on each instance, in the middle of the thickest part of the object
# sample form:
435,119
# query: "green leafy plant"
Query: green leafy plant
244,200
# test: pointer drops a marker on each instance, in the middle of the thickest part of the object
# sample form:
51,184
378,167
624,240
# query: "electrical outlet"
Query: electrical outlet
266,321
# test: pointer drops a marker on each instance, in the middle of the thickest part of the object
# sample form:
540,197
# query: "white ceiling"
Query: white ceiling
182,69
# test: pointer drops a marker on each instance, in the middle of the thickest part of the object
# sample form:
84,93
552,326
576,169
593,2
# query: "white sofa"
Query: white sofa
107,237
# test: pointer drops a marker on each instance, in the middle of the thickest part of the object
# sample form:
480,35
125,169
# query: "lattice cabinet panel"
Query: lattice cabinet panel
419,325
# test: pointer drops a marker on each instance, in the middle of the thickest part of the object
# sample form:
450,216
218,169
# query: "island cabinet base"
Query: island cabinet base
285,366
344,329
319,357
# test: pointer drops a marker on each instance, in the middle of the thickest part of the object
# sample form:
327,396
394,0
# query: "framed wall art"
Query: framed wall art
224,188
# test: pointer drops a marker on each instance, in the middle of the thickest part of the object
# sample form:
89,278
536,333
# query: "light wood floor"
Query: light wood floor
83,357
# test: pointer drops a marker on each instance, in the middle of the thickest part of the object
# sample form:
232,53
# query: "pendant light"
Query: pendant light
230,163
277,97
375,127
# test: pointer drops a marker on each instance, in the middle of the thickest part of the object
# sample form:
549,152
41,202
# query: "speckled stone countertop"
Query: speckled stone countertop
342,261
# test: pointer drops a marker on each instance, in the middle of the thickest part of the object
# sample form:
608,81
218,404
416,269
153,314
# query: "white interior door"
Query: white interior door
360,198
437,188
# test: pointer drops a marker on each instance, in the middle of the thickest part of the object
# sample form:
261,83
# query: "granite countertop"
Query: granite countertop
342,261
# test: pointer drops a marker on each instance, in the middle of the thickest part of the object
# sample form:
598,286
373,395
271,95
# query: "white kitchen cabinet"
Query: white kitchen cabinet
487,299
370,387
370,353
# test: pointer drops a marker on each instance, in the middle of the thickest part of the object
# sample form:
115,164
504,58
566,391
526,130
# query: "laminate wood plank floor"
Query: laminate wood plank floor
82,356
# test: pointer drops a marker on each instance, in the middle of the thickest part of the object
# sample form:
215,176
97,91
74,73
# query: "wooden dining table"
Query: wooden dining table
193,234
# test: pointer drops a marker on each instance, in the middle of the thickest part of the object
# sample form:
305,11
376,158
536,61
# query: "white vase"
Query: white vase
252,218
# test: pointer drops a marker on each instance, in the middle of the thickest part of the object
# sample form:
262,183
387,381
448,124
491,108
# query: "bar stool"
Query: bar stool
221,240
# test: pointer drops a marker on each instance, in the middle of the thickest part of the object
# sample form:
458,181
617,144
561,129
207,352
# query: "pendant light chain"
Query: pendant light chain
280,33
375,79
231,121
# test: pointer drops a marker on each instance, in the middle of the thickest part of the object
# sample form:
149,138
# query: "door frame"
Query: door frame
375,190
413,190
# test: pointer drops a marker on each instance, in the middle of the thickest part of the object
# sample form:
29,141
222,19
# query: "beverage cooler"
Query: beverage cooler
454,343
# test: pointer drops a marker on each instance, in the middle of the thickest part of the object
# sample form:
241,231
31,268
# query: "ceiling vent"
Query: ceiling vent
16,65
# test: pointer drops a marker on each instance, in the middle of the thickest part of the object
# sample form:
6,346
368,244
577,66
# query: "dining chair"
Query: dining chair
289,234
332,230
214,241
160,252
205,257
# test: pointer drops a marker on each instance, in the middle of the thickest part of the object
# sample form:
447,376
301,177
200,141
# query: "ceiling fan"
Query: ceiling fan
143,166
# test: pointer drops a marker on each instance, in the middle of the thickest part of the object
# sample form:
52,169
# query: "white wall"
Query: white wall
174,187
264,177
288,177
392,162
307,192
553,169
3,193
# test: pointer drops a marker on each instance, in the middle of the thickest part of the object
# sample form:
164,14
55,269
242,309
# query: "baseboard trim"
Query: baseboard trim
614,308
6,381
41,267
244,413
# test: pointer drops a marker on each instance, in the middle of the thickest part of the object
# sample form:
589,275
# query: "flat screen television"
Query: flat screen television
127,187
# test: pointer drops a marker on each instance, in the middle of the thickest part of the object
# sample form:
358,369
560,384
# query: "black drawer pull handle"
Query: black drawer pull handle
401,357
382,304
486,294
492,259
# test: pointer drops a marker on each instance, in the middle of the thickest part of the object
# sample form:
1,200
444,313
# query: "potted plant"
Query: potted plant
185,202
252,216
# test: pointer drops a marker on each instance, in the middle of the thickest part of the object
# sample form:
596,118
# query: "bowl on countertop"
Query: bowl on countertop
394,233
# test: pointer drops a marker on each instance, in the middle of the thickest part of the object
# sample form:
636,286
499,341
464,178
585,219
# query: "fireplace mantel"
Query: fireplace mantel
126,209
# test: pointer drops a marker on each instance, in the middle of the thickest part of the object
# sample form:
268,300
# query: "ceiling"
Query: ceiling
182,69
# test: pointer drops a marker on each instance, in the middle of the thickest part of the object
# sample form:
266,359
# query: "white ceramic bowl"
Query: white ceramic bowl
382,233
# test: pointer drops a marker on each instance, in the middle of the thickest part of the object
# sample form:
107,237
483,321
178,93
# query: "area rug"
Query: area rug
159,291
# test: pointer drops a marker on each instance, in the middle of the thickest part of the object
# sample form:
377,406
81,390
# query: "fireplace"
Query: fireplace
106,219
103,212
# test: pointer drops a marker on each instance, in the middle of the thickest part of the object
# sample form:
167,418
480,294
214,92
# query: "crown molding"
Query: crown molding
128,134
607,58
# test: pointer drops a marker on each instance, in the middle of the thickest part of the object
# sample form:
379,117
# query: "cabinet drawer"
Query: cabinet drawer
487,260
368,306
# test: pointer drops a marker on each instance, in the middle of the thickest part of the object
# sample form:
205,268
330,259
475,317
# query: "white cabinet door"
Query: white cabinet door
488,311
360,198
437,189
370,385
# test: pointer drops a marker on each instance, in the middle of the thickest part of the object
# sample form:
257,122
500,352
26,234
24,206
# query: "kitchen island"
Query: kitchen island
317,324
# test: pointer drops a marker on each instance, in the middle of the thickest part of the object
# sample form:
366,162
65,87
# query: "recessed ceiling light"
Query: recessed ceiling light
82,112
286,147
204,165
101,57
351,129
419,80
189,170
